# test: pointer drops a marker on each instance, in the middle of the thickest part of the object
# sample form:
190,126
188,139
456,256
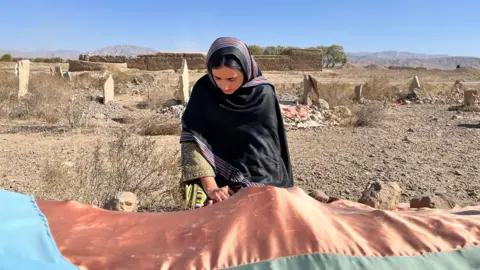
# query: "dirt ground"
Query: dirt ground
422,147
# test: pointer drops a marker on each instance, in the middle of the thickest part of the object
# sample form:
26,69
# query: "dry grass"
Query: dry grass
157,96
464,108
127,163
336,94
368,115
87,80
49,98
45,100
157,126
380,88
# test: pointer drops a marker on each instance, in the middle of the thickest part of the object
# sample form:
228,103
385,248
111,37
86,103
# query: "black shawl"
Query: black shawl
241,135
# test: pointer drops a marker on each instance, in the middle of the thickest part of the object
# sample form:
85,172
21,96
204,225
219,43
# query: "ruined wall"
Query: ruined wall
295,59
163,61
79,65
406,68
302,59
273,62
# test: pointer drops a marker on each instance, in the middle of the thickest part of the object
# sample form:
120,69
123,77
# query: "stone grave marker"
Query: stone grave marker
16,70
23,67
108,90
469,97
307,89
415,84
58,71
184,83
358,92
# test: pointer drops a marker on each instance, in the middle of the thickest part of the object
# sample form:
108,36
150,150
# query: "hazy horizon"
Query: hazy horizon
427,27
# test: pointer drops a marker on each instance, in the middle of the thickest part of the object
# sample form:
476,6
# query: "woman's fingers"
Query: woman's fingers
223,195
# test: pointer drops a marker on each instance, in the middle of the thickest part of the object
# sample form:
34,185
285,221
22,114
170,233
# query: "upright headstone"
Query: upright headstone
58,71
457,86
184,83
307,89
23,77
469,97
16,70
415,84
358,92
108,90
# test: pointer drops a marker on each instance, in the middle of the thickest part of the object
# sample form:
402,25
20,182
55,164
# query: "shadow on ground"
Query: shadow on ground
469,125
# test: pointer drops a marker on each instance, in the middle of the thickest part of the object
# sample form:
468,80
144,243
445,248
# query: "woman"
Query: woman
232,128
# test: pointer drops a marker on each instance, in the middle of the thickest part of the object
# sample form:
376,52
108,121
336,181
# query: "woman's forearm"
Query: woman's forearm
208,183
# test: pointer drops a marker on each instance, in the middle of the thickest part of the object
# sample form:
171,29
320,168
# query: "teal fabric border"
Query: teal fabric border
67,263
462,259
26,241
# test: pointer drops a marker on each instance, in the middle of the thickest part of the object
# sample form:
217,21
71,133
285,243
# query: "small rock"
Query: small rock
99,116
342,111
308,124
124,202
472,193
457,172
320,195
432,201
406,139
440,191
322,104
410,130
381,195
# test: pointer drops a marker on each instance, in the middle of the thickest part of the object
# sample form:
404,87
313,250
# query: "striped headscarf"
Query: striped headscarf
251,69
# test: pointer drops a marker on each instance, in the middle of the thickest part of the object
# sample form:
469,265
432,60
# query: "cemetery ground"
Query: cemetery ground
61,142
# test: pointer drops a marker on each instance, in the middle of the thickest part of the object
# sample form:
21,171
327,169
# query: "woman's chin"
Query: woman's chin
228,92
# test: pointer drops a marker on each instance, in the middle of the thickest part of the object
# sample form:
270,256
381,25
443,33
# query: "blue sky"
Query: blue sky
423,26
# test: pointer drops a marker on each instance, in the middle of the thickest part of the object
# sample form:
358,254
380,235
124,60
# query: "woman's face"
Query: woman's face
228,79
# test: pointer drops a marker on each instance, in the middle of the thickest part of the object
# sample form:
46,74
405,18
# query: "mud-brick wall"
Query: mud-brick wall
136,62
295,59
305,59
163,61
273,62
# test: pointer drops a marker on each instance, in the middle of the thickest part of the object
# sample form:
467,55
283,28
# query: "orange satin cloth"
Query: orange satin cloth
256,224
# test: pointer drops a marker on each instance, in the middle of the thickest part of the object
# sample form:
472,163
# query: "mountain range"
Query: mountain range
384,58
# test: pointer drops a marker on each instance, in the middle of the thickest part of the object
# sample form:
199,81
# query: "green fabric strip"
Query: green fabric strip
462,259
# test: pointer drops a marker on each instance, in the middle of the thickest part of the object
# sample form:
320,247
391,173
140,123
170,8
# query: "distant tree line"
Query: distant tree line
8,58
332,55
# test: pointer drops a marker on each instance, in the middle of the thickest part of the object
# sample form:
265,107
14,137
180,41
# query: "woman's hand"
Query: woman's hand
219,194
215,193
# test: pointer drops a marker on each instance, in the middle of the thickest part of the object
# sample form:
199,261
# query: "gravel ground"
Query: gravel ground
422,147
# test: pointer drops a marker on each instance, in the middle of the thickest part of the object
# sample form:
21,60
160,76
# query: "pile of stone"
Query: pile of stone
173,111
418,95
294,116
313,116
387,195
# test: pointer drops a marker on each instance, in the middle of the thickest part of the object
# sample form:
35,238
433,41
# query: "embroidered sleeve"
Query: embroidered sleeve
194,165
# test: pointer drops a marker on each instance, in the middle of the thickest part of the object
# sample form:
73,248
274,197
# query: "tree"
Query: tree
6,58
256,50
334,54
274,50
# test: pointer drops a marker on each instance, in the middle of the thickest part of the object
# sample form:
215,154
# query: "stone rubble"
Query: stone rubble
294,116
306,117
